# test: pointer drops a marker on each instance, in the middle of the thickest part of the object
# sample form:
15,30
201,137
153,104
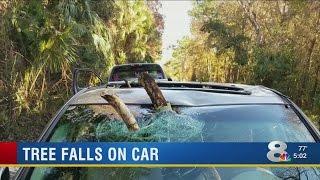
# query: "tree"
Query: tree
273,43
42,41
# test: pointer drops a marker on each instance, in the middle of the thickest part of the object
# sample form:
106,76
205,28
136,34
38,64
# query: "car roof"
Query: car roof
184,94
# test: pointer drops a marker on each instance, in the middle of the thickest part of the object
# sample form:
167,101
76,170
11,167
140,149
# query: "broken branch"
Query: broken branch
153,91
122,110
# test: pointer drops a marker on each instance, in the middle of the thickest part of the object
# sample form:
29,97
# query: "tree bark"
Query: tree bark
122,110
315,86
306,72
153,91
252,17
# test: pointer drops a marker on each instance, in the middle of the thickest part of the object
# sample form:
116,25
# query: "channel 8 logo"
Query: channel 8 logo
277,152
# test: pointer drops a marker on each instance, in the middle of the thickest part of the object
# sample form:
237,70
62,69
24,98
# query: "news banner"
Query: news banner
275,153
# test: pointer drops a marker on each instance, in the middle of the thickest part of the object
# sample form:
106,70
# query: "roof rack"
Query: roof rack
193,86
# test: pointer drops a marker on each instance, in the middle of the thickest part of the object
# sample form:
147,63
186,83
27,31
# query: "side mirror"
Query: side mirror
4,173
169,79
83,78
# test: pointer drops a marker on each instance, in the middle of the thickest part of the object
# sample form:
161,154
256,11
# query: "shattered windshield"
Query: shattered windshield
232,123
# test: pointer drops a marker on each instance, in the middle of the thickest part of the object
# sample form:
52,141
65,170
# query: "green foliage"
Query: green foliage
271,67
42,41
138,39
273,43
165,126
224,38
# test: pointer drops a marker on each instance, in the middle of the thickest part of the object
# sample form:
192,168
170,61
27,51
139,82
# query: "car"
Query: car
208,112
131,71
124,72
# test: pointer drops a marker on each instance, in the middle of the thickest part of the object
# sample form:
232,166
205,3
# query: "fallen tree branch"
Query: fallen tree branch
122,110
153,91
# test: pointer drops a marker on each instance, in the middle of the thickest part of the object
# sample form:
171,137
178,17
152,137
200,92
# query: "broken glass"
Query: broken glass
233,123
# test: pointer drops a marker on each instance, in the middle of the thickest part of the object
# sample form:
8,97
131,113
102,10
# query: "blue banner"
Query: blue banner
275,152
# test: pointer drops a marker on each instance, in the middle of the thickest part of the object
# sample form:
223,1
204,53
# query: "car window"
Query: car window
130,72
232,123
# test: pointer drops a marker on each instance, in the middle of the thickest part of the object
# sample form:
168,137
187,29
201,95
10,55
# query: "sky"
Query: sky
176,25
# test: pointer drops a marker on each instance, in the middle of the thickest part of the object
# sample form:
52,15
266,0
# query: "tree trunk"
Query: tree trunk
122,110
306,72
252,17
315,86
153,91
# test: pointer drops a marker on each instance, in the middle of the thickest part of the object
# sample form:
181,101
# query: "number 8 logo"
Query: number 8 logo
276,147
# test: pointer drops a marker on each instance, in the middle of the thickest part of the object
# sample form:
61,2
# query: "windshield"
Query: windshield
131,72
232,123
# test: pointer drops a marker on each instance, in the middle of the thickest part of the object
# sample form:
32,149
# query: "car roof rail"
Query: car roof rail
196,86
